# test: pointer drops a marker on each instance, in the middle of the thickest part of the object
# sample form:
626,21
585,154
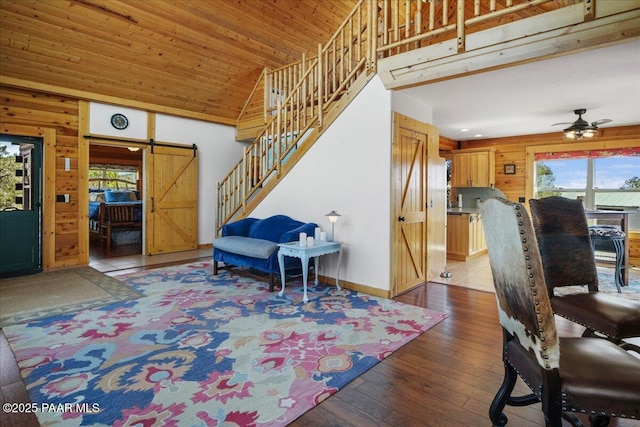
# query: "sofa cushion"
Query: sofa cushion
248,246
239,228
273,228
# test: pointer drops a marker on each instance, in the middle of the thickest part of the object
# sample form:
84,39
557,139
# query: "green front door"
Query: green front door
20,205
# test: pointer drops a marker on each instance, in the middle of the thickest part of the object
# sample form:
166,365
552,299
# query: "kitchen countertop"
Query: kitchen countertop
462,211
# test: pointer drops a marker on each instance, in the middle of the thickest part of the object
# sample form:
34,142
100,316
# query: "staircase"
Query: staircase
298,102
290,107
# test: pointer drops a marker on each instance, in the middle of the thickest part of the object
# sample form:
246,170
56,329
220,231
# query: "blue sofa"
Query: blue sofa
253,243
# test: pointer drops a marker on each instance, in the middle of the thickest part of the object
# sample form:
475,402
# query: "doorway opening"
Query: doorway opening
115,179
20,205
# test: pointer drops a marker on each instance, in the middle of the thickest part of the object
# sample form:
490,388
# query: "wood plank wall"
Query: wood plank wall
512,150
24,109
446,145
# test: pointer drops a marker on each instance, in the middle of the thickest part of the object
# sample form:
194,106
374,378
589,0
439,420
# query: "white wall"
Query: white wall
411,106
100,121
218,151
347,170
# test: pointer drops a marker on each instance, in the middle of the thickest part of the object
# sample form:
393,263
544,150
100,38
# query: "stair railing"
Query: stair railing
297,96
322,80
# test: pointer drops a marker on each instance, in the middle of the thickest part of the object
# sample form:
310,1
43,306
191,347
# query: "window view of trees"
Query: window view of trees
601,182
545,181
7,177
110,176
631,183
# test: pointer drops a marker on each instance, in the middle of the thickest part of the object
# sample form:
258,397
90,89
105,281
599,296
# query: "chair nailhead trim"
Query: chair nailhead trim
532,283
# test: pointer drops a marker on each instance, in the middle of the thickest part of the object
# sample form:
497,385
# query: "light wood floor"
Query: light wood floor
445,377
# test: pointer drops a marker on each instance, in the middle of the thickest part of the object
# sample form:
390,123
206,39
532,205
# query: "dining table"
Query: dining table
623,217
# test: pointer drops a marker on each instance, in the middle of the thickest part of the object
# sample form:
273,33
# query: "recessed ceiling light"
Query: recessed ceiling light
478,135
464,130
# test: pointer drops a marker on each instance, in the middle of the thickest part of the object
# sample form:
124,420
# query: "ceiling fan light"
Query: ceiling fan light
581,128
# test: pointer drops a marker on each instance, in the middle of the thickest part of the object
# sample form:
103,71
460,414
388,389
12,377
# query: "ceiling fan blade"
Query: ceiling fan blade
564,123
600,122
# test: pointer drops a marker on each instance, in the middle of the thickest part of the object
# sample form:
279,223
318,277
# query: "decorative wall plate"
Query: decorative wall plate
119,121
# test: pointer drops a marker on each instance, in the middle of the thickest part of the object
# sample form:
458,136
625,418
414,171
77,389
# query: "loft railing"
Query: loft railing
406,25
291,100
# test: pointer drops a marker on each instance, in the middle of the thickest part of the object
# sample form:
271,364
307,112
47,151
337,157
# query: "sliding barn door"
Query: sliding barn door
171,200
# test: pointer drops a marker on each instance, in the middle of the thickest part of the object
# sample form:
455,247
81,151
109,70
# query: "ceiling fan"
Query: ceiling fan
581,128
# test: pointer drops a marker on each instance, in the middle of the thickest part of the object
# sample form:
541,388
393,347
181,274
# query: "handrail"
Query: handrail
297,96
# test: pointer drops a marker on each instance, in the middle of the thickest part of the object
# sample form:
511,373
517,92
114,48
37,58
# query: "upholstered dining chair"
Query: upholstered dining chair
567,255
567,375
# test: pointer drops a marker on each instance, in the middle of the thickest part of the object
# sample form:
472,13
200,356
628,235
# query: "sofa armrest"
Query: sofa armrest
293,235
238,228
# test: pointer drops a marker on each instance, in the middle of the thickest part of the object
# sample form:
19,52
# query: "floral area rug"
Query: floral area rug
202,351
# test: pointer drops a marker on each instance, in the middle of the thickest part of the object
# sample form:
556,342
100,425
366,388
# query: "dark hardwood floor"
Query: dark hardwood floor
445,377
99,250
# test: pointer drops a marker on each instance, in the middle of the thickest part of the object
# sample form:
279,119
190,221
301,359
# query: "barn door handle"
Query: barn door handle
401,218
153,205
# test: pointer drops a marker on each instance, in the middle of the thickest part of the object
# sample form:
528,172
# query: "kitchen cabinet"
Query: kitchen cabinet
465,236
473,168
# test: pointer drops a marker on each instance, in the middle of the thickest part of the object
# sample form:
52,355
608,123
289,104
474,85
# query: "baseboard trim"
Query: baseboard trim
382,293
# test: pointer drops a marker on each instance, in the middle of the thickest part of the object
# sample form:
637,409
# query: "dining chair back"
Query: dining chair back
567,254
567,375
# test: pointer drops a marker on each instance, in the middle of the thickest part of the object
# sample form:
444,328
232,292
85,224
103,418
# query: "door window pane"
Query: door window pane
16,176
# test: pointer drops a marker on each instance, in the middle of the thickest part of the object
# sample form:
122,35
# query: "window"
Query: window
113,177
602,179
17,176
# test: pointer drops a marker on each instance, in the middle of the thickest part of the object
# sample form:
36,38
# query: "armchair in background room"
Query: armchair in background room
569,376
568,259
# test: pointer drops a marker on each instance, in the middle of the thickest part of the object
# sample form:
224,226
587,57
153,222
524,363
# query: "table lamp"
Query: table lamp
333,217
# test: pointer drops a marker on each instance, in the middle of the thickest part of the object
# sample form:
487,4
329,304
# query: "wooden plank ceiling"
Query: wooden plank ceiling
201,56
